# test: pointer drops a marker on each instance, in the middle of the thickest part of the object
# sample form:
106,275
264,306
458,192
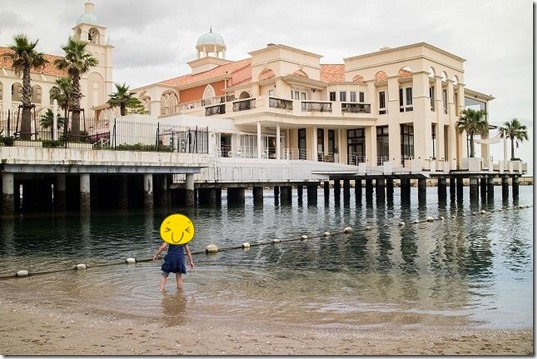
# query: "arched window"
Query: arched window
208,95
381,76
16,92
36,94
168,103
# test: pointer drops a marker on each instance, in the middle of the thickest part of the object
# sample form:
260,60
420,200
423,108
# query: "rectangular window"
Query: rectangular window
302,144
270,92
431,97
342,96
303,96
353,96
407,143
297,95
405,99
382,102
444,100
355,146
331,142
332,96
383,145
320,144
361,97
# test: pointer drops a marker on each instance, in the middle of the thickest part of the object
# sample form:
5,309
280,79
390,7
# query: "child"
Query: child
174,261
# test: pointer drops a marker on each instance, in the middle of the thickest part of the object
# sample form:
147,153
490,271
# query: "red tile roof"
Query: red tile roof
240,72
230,69
49,69
332,73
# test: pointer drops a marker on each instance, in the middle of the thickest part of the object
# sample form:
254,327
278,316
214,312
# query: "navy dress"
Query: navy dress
174,261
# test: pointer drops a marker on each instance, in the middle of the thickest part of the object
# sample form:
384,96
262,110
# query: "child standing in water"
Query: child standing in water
174,262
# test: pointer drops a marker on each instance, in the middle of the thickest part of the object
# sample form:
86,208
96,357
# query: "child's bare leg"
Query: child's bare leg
163,280
179,280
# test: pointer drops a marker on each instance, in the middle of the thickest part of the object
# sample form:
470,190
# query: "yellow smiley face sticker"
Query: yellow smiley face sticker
177,229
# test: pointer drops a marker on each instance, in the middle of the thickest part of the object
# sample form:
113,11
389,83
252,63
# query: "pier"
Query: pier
81,179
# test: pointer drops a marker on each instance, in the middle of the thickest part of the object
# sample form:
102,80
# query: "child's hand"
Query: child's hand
191,265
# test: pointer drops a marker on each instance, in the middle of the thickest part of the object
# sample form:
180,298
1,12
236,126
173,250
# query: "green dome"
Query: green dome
210,38
88,19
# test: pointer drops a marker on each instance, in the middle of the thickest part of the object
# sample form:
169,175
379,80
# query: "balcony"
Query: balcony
264,104
352,107
215,110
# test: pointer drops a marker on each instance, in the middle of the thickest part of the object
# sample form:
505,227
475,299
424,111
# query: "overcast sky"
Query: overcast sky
154,39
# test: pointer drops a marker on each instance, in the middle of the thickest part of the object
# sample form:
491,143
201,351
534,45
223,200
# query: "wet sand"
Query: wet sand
26,329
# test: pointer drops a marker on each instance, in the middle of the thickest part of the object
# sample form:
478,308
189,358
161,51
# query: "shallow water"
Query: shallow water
469,269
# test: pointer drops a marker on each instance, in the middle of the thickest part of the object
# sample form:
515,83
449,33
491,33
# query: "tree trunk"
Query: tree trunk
512,149
75,126
26,121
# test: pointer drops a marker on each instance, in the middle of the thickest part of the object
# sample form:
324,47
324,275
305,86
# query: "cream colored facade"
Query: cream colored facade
96,85
393,105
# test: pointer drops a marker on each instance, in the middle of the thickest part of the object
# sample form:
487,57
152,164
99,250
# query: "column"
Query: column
259,141
278,145
312,194
516,186
8,196
326,187
422,191
358,190
189,190
148,191
474,192
258,195
442,192
85,195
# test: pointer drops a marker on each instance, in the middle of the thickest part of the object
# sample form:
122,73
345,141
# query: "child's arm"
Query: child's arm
189,255
160,250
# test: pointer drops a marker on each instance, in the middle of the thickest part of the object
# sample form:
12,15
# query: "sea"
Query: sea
450,263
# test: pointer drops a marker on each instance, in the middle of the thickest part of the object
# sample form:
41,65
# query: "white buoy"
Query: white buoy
347,230
80,266
402,224
483,211
211,248
276,240
441,218
304,236
430,219
130,261
246,245
367,228
327,234
22,273
417,221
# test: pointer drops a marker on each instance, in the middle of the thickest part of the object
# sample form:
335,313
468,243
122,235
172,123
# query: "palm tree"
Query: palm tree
122,98
47,121
515,131
76,62
63,92
25,58
474,123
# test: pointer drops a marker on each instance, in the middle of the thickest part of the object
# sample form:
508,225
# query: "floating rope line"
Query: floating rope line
212,248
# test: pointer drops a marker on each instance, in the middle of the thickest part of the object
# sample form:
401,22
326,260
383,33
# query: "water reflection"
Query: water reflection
440,266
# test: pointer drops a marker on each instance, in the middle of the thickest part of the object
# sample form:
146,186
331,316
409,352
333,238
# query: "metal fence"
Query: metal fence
117,134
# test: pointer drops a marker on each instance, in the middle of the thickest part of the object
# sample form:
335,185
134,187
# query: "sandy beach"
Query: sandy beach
26,329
